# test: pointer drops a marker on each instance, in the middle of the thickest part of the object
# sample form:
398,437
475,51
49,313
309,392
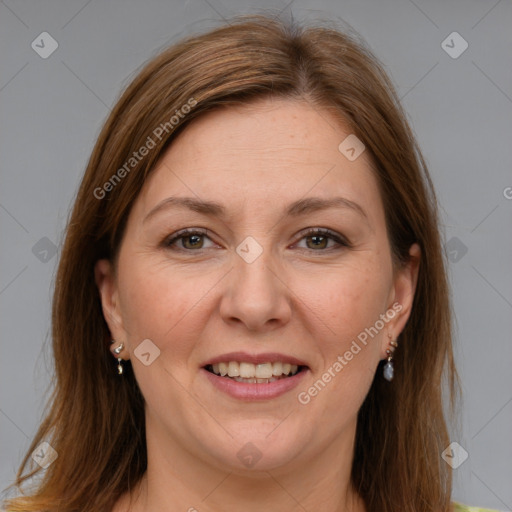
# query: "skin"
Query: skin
299,297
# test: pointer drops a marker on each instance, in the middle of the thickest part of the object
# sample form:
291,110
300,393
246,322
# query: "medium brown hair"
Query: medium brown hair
95,419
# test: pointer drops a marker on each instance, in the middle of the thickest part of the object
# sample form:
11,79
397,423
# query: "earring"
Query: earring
389,370
118,350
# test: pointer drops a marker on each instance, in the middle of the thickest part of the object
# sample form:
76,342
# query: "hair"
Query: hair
95,420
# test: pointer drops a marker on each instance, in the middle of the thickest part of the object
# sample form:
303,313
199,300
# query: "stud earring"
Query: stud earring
389,369
117,351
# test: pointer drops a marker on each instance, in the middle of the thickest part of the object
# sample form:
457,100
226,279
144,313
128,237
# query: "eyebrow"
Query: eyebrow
295,209
197,205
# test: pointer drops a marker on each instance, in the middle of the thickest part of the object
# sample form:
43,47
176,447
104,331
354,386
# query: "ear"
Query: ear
402,296
106,282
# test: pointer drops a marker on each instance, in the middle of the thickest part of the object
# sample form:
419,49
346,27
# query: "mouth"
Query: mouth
254,377
250,373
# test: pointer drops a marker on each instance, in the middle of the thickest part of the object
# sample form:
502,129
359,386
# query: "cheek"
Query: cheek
343,312
344,302
161,304
344,308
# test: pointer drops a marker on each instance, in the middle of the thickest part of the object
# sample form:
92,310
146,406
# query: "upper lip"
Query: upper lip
265,357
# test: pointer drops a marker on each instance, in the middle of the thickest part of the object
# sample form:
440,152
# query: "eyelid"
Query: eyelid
182,233
333,235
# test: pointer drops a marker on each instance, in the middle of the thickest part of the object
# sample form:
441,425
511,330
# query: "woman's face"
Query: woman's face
287,260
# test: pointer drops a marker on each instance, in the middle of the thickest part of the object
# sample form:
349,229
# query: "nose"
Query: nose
256,295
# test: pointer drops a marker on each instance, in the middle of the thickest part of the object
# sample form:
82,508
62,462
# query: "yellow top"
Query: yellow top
459,507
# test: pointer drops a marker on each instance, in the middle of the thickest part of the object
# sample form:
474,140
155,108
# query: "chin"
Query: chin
257,449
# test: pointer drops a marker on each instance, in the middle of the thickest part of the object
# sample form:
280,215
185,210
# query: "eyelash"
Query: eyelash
169,242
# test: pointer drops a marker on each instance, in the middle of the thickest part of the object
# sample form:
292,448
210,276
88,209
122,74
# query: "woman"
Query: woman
255,242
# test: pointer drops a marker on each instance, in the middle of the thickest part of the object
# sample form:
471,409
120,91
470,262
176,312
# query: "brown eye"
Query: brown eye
316,241
192,241
322,240
188,240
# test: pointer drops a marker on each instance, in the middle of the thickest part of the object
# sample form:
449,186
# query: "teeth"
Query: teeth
254,373
277,368
264,371
253,381
247,370
223,369
233,369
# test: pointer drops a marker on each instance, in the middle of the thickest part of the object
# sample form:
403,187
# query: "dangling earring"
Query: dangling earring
118,350
389,370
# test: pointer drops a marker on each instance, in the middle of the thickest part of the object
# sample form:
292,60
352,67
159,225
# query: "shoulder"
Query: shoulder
459,507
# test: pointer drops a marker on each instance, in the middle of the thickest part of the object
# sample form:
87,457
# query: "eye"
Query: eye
188,240
320,239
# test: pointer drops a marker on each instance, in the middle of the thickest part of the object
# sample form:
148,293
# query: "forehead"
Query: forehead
259,153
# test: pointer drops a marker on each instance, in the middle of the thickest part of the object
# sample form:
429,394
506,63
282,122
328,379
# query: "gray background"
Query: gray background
460,109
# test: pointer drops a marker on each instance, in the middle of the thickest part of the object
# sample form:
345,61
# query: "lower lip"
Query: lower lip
247,391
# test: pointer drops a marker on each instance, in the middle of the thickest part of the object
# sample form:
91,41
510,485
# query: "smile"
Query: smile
263,373
254,388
